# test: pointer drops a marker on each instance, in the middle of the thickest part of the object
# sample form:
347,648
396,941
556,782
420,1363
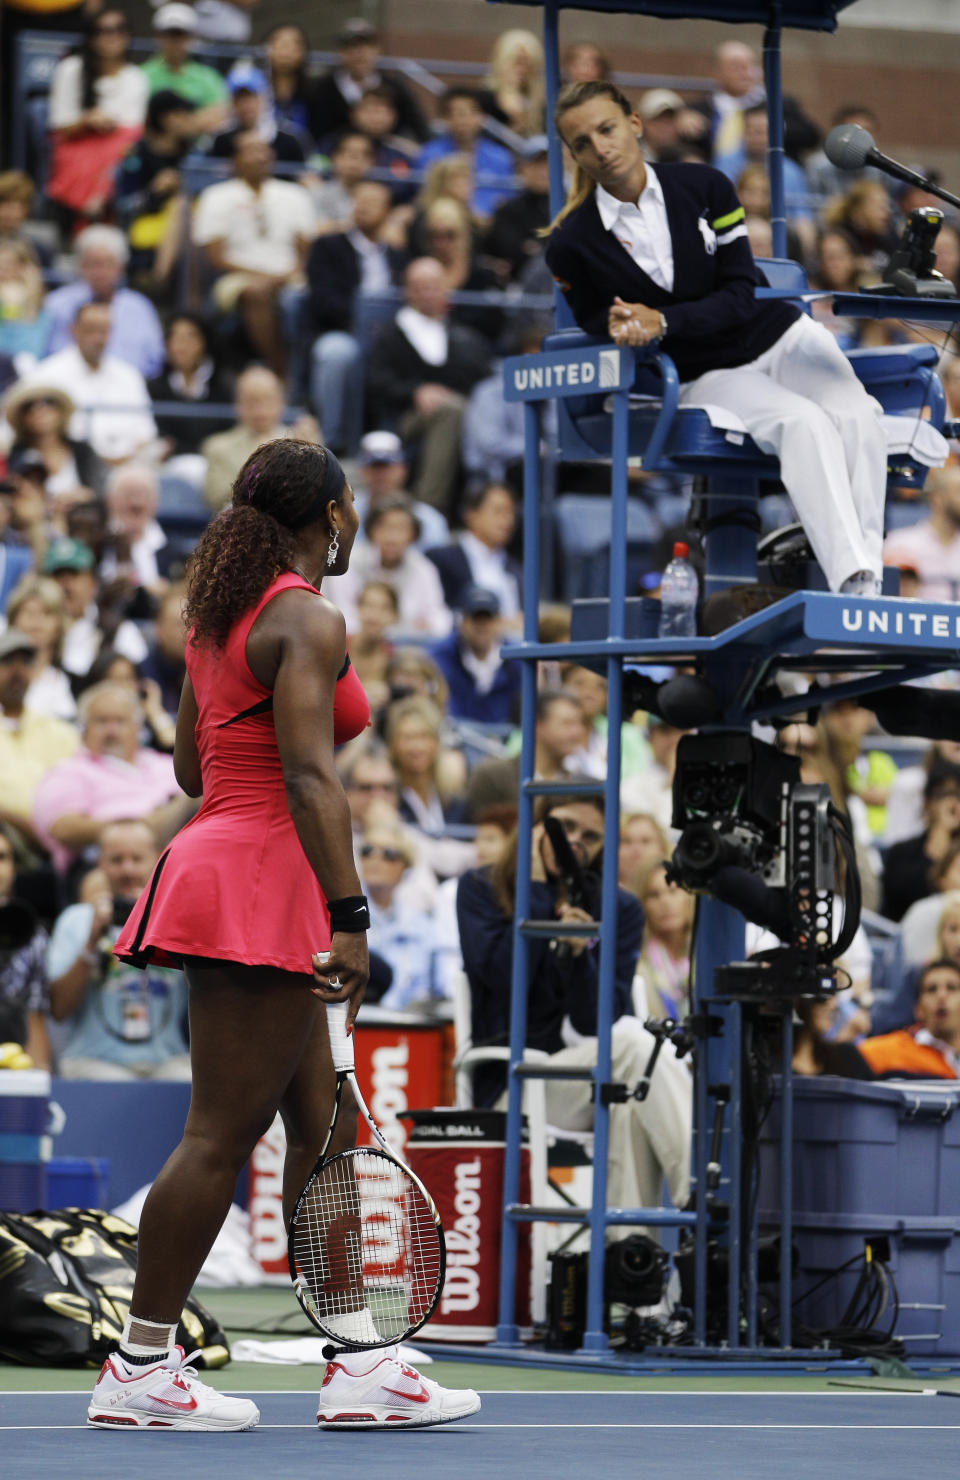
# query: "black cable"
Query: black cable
941,348
855,1334
853,894
825,1279
896,1303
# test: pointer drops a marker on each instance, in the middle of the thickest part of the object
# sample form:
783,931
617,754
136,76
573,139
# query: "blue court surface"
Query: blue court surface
680,1434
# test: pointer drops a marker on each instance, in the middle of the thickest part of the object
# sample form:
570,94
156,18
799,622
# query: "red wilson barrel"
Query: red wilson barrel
458,1156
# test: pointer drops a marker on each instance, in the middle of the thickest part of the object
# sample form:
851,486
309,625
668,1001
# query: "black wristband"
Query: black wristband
351,914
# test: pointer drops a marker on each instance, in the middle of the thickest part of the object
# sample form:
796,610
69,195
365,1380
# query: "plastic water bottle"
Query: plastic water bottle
678,596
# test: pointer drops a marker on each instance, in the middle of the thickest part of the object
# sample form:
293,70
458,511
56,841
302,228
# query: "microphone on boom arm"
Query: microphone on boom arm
911,271
850,147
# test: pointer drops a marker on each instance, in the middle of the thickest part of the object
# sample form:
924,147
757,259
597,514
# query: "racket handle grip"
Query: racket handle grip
341,1044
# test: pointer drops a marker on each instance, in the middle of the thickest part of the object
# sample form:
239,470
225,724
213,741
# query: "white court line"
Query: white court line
900,1428
873,1428
554,1392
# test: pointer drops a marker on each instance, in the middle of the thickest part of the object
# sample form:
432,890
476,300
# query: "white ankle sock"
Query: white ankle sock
358,1325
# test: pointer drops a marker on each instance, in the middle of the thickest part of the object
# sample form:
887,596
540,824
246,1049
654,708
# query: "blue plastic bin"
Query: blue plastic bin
874,1160
889,1148
24,1143
77,1182
924,1262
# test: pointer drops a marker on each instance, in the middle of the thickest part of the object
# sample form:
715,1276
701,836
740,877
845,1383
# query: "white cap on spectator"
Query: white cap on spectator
175,17
380,447
660,100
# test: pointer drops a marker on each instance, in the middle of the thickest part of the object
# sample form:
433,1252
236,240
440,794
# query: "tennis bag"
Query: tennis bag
66,1281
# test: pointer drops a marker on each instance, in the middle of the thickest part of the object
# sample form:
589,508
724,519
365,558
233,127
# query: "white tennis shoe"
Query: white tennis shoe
376,1390
165,1395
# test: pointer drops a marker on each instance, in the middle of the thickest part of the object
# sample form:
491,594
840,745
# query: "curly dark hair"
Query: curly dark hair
278,491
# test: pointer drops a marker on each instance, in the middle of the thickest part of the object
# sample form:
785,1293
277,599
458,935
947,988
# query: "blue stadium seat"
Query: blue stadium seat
583,534
181,502
901,513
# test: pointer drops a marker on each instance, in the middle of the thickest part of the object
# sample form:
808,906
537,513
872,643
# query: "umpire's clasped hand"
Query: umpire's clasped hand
633,323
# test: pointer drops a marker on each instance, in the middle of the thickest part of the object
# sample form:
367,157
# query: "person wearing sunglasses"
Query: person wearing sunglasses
98,103
404,939
649,1139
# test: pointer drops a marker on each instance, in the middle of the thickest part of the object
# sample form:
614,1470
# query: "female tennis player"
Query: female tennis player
246,896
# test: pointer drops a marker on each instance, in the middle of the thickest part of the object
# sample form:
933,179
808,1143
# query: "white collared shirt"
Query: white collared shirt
488,568
428,336
642,229
483,671
922,1035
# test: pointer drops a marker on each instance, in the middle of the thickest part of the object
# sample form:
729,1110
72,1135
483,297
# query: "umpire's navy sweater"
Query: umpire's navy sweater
714,322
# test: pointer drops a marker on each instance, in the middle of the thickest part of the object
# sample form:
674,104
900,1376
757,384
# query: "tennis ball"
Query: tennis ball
12,1056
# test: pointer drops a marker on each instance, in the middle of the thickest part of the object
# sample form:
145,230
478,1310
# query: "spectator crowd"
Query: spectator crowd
220,257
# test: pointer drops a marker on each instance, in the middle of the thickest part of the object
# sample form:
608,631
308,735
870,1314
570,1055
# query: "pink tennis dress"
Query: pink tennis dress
235,884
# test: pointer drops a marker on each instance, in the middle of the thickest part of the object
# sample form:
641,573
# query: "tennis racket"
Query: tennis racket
365,1248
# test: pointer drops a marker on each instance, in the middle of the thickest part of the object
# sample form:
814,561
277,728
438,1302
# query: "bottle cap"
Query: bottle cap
681,549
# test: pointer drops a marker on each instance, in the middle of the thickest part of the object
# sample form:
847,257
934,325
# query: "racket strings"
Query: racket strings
367,1249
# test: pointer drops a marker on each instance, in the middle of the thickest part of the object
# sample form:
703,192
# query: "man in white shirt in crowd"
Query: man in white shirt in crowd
256,231
932,547
132,497
135,332
113,406
420,371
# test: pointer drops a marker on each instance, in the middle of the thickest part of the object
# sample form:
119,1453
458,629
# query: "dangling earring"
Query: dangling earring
334,549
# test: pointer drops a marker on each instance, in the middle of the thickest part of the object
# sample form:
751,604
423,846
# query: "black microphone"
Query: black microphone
850,147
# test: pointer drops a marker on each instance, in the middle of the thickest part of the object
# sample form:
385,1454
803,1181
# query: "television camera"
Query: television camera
758,838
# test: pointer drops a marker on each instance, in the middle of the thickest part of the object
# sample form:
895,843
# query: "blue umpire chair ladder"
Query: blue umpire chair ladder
592,381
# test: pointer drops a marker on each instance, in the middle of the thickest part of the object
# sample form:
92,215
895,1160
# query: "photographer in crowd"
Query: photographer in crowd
649,1139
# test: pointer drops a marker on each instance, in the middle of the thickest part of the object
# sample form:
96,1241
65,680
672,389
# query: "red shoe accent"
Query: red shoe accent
187,1407
421,1397
347,1418
113,1418
332,1367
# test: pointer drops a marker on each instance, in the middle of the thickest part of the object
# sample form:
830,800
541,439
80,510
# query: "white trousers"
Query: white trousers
802,401
649,1139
